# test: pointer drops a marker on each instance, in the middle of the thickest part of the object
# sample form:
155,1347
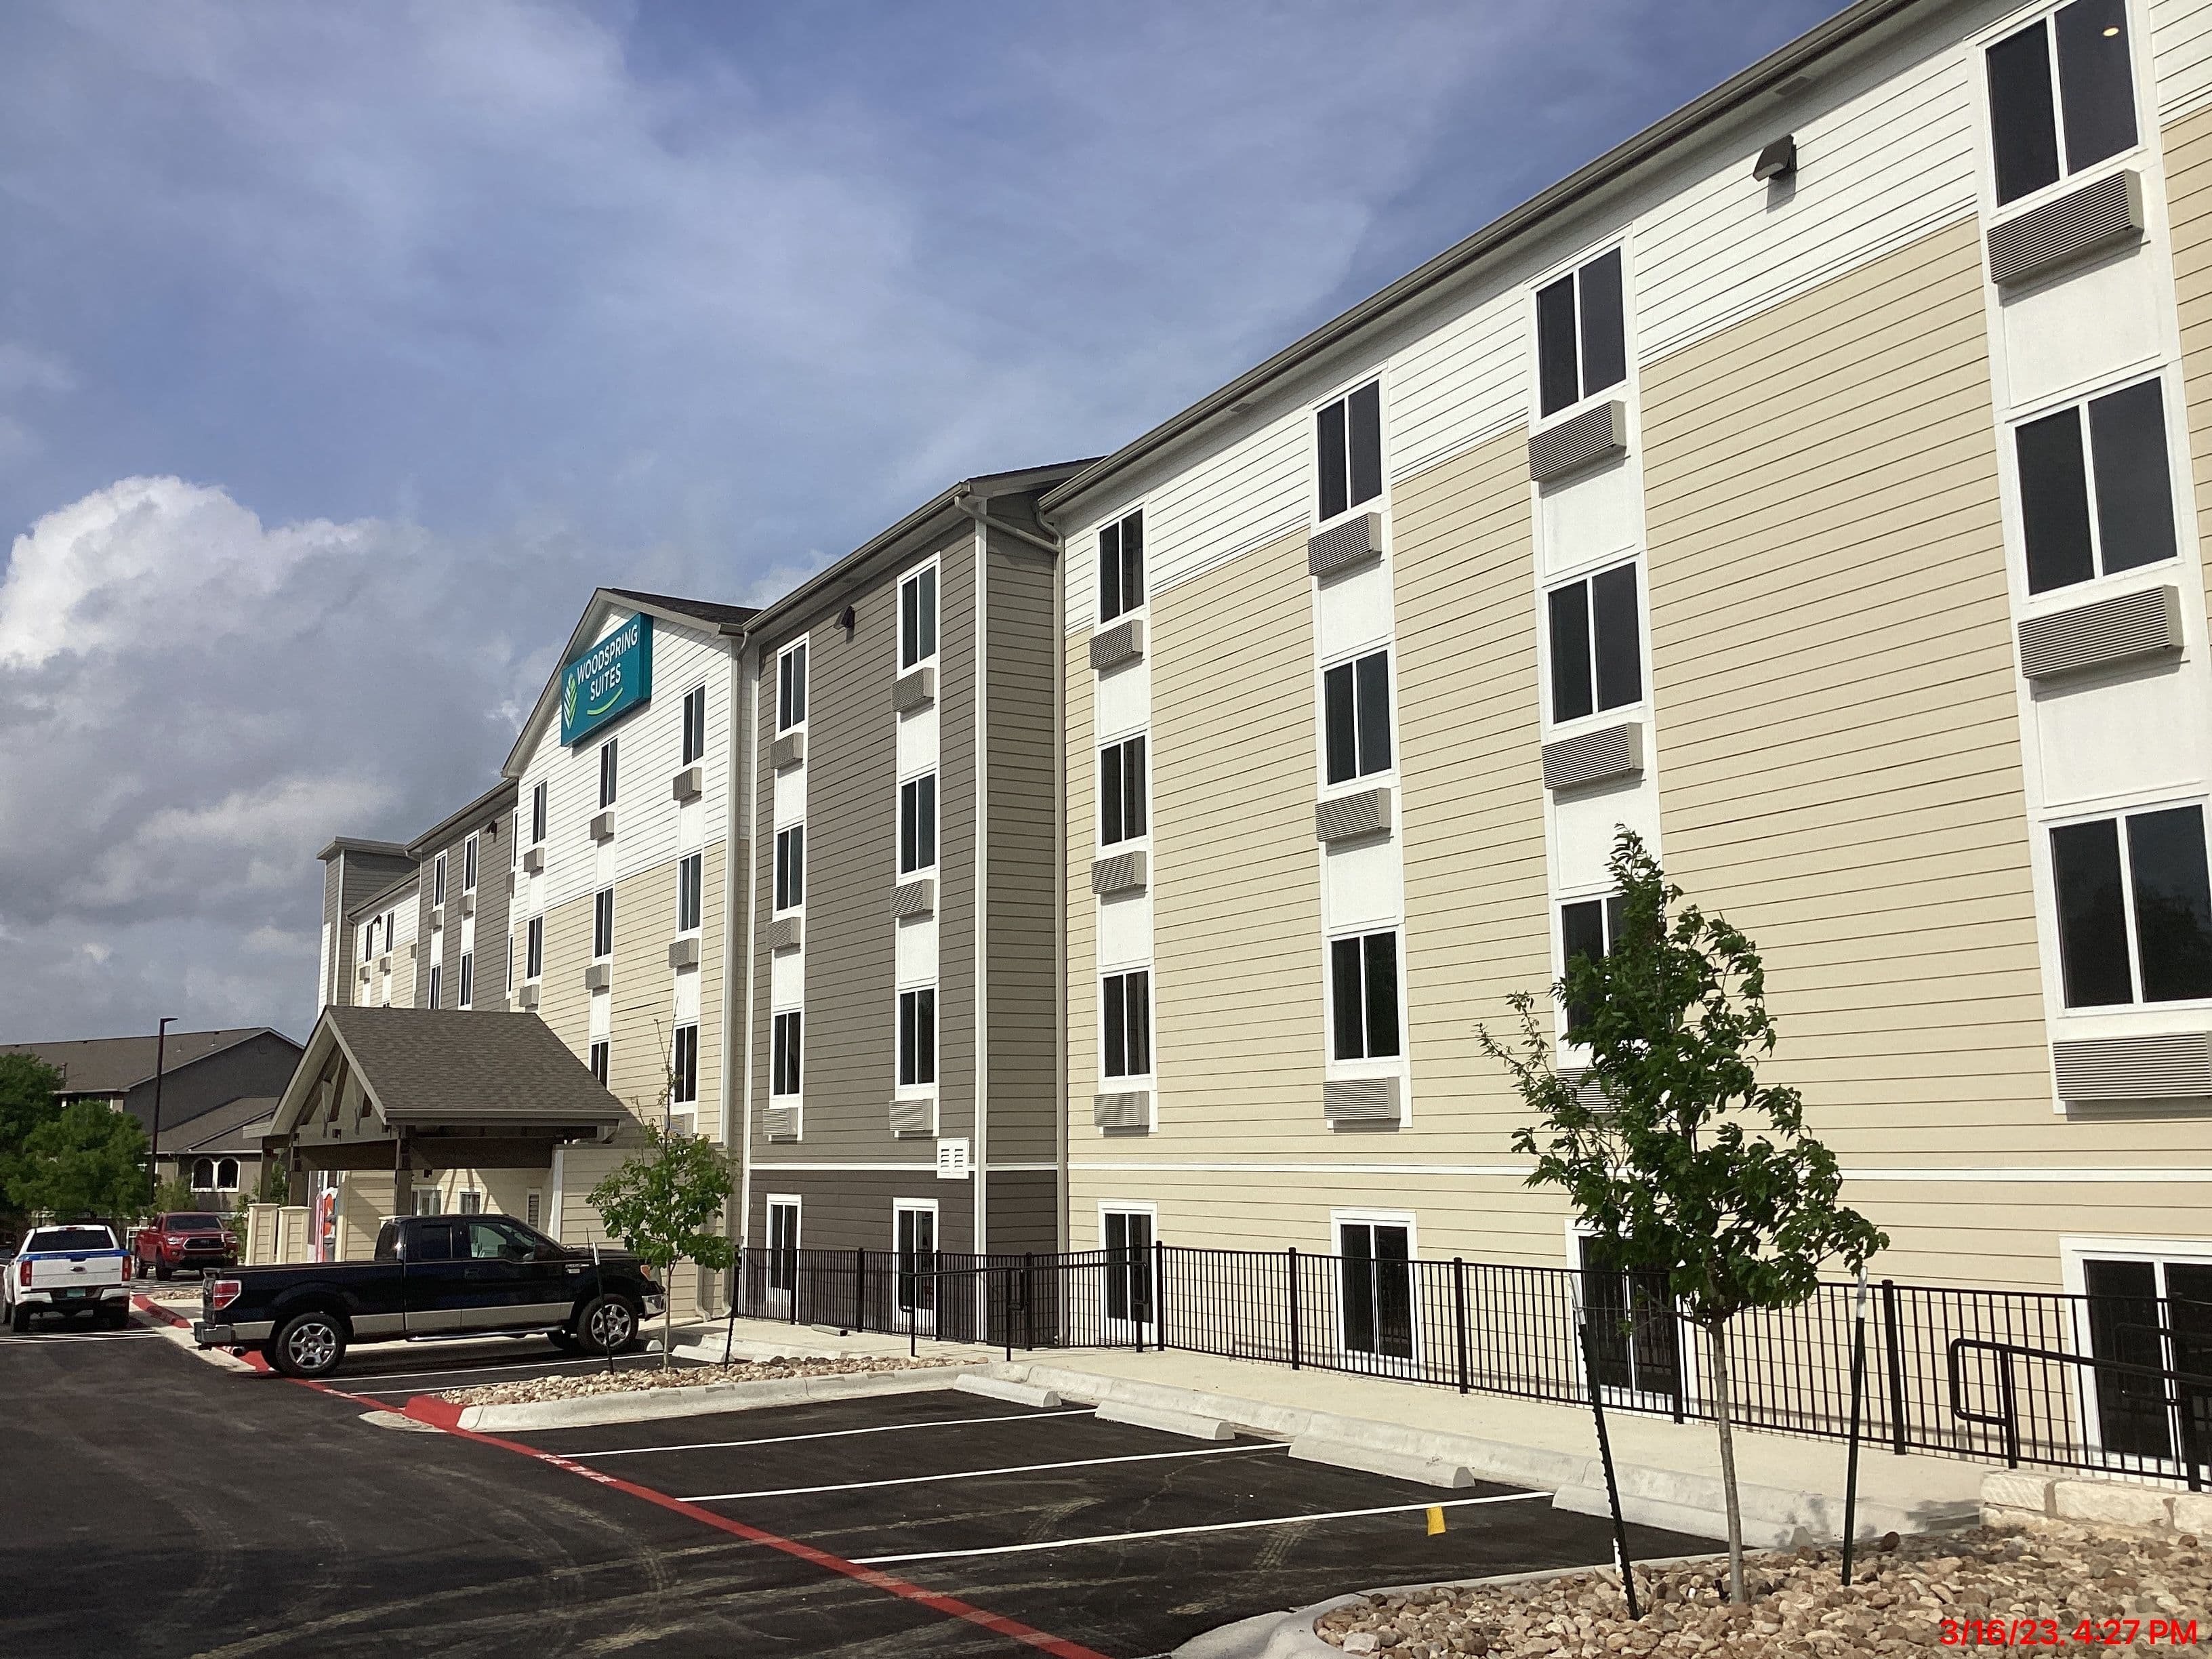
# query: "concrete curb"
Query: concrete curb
1018,1394
1168,1421
649,1405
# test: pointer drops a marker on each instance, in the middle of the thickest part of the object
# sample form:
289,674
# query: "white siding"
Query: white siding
2181,55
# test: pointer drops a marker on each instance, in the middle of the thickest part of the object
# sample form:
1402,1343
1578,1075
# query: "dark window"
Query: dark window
2119,484
1126,1027
1121,791
1597,653
436,974
694,724
2093,117
603,923
918,617
684,1068
1129,1265
1121,567
1634,1339
1587,928
1582,334
431,1241
468,979
599,1060
791,867
1348,451
1375,1266
534,960
468,867
917,1038
1356,712
690,880
607,772
1363,986
784,1038
437,880
2161,892
783,1244
917,823
537,814
387,1241
791,688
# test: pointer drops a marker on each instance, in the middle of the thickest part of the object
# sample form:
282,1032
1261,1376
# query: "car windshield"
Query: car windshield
69,1238
195,1223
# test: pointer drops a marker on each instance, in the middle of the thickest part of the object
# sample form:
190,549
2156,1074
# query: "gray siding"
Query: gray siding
957,819
493,904
851,1209
260,1066
359,877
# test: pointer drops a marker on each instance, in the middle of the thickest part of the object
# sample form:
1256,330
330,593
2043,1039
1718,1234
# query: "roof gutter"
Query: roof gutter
1769,72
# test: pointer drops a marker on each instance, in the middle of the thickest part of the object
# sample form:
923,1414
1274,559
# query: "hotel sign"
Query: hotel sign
612,677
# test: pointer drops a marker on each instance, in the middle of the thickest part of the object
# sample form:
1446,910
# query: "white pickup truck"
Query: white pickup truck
73,1269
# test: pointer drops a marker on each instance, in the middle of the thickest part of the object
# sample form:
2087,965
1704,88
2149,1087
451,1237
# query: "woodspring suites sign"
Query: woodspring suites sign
612,677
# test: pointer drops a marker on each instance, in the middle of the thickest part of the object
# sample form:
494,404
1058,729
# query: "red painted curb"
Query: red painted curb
146,1305
429,1408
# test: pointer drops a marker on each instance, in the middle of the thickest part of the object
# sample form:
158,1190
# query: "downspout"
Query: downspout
979,1165
738,1086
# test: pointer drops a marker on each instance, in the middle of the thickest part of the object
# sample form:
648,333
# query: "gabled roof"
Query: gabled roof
236,1127
688,613
382,849
438,1068
114,1065
488,804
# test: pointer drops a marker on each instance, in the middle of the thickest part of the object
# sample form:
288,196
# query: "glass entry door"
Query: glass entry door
1128,1235
783,1255
916,1243
1375,1291
2157,1313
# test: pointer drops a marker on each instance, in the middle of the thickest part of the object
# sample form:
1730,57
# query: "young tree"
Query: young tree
91,1159
663,1204
26,1103
1686,1166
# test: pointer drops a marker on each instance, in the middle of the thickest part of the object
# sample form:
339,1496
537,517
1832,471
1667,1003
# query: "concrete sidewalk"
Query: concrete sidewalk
758,1340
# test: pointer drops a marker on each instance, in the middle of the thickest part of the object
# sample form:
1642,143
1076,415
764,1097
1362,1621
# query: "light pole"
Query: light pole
153,1150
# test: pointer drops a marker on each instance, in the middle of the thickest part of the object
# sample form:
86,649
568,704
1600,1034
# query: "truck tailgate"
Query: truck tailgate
77,1270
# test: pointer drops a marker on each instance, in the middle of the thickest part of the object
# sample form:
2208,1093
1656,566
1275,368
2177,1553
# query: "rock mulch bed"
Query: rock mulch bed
635,1378
1903,1595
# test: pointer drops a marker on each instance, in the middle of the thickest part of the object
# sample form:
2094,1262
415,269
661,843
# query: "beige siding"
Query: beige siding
563,1003
2188,206
1081,946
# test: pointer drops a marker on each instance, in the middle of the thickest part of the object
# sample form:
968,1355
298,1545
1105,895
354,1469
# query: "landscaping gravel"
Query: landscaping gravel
2152,1590
638,1377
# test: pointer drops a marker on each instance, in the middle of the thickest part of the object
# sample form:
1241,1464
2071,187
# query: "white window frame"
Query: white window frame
775,1022
465,983
1689,1355
1379,377
676,1066
780,1298
541,815
696,862
1366,1065
437,880
1120,521
1586,572
609,773
1143,840
1128,1330
777,884
470,865
1145,1078
2074,1251
1361,1359
1625,388
796,648
924,1319
598,1052
934,773
533,951
435,984
2139,71
900,1088
193,1180
2155,800
1363,781
912,574
2159,571
231,1185
683,727
607,893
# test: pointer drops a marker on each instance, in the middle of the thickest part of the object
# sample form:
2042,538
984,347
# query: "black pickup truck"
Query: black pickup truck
441,1275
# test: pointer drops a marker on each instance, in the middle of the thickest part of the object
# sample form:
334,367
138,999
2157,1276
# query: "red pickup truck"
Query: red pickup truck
184,1238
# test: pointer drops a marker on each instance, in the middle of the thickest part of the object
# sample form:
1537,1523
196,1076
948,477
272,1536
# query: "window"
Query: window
918,823
1121,567
784,1038
203,1175
437,973
918,617
1597,652
1376,1275
603,923
1127,1235
2157,1313
469,865
1582,334
1364,991
1587,928
2092,119
428,1202
2094,494
791,867
782,1245
537,814
1634,1339
694,724
430,1243
226,1175
391,927
1356,711
368,942
2135,910
607,772
532,1208
917,1038
534,959
599,1047
691,877
1126,1024
684,1068
914,1237
791,688
471,1204
514,845
437,880
1121,791
468,979
1348,451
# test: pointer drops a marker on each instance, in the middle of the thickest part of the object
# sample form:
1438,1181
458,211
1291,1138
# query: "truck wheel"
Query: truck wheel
564,1339
20,1320
308,1345
116,1318
608,1325
163,1273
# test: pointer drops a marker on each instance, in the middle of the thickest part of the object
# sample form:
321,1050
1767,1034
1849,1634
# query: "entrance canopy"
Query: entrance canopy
414,1089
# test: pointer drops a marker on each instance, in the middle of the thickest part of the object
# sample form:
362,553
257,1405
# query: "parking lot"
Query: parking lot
253,1515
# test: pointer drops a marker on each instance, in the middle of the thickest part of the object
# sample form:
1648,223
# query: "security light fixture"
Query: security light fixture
1778,160
845,622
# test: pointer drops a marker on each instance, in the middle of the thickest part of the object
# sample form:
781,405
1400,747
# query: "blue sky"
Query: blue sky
343,349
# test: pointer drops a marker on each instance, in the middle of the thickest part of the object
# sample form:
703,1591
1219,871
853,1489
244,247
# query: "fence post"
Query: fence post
1029,1294
1297,1334
1160,1293
860,1288
1459,1308
1893,1341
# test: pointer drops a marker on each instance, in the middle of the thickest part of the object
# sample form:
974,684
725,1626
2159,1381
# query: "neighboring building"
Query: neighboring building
465,877
201,1071
219,1152
355,872
903,1023
1809,484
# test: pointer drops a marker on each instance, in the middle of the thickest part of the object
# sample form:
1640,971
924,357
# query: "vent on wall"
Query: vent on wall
2114,631
789,750
917,898
786,933
1342,546
1121,873
1362,1102
1123,1109
1594,756
1123,642
2071,227
783,1123
1591,436
916,689
2170,1066
1348,817
915,1117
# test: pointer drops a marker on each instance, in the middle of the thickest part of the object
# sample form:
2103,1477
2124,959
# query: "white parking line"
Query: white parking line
978,1475
1176,1532
837,1434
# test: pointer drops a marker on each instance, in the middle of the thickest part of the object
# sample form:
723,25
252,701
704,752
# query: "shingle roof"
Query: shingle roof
111,1065
234,1126
433,1067
705,610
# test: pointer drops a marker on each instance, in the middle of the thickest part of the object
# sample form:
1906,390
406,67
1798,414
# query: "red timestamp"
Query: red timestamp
2060,1633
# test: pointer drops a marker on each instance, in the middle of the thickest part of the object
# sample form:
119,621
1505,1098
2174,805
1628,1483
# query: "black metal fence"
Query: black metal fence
2019,1377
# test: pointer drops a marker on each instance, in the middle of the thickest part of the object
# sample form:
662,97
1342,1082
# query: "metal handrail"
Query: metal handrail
2185,1385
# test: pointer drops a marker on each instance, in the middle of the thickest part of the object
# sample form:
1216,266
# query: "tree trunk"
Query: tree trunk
1716,1347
